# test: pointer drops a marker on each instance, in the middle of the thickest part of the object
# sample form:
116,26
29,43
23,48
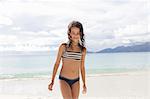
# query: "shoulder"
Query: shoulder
84,50
62,46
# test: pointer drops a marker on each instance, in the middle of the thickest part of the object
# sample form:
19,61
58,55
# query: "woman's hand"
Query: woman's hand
84,89
50,86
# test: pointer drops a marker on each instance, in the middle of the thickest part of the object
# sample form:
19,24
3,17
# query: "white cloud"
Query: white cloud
8,39
16,28
5,20
134,29
107,23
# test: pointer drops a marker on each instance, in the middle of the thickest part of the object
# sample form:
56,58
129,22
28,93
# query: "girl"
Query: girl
72,54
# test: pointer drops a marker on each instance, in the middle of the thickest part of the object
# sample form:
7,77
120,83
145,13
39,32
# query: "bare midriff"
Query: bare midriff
70,68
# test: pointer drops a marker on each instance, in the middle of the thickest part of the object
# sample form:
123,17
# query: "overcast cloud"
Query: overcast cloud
42,24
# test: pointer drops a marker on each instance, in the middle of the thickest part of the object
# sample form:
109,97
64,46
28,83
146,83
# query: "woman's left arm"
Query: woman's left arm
82,68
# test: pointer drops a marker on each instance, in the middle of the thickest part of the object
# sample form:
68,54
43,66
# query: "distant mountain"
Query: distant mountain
144,47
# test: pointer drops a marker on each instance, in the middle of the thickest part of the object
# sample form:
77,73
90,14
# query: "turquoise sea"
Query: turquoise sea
40,64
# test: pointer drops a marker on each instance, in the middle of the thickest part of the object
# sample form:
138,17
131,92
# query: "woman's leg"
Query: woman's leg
75,89
65,90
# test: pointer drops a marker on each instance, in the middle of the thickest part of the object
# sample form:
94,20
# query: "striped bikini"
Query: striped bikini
74,56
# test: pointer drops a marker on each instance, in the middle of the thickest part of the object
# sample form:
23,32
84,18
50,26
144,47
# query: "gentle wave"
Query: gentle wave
89,72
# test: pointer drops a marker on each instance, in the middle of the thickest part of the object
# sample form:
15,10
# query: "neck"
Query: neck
74,43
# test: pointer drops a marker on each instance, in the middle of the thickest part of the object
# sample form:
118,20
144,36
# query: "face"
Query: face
75,34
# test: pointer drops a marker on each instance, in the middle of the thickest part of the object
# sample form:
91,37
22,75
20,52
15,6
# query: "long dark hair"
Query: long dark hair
77,24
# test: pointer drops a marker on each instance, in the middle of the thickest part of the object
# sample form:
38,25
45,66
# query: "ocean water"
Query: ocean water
40,64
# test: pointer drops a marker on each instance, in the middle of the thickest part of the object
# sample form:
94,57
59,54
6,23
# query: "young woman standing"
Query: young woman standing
72,54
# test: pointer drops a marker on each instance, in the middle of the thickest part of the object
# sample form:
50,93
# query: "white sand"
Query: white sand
129,85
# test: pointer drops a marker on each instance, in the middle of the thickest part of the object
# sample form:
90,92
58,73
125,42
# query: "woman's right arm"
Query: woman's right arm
56,65
57,62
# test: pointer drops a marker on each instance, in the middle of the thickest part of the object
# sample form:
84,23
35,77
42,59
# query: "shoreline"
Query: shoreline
88,74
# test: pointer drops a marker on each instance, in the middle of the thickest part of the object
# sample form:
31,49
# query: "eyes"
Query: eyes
73,33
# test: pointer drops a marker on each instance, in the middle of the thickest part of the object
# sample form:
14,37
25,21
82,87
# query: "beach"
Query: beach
113,37
119,85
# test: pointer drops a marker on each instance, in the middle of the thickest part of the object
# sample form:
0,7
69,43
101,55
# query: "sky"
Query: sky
41,25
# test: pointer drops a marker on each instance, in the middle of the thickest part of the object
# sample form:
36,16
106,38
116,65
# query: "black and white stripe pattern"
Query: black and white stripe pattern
72,55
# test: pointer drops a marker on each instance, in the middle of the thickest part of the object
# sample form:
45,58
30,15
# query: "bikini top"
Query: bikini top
72,54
